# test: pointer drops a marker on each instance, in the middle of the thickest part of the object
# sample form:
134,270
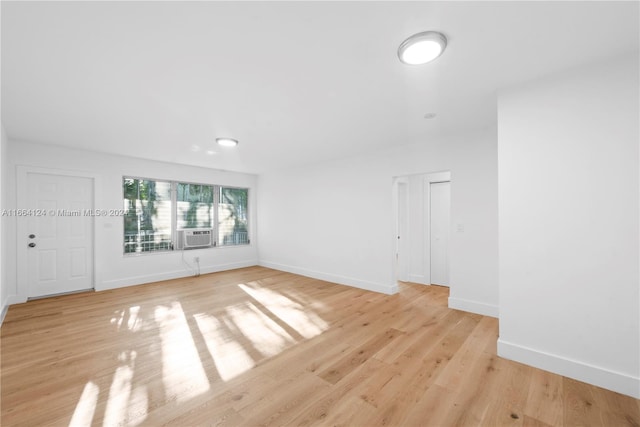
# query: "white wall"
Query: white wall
112,268
334,220
569,194
4,283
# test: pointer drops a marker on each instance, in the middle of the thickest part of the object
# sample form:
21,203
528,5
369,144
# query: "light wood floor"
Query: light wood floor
261,347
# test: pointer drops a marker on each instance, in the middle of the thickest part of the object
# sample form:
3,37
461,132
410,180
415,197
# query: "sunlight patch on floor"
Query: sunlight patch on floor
118,403
235,340
229,356
265,334
128,318
182,372
86,406
138,405
127,404
305,322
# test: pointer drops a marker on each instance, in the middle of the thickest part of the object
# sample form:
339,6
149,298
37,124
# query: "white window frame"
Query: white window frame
215,226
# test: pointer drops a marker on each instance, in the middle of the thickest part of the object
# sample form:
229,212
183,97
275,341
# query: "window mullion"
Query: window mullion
216,201
174,217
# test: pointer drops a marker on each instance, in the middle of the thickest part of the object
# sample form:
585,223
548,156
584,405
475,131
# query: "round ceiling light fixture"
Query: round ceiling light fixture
422,48
227,142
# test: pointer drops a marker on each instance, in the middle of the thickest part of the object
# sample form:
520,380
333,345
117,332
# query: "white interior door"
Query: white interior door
440,212
402,261
59,238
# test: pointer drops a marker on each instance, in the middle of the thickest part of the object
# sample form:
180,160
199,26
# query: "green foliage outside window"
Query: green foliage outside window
232,216
195,206
147,222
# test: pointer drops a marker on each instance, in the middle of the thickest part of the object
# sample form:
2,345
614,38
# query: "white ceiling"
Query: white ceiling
295,82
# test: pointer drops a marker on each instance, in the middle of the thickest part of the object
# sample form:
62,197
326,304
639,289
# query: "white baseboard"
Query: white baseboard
137,280
474,307
177,274
601,377
16,299
10,300
418,278
3,313
341,280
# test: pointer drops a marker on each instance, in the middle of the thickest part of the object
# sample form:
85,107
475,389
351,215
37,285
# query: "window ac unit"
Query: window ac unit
195,238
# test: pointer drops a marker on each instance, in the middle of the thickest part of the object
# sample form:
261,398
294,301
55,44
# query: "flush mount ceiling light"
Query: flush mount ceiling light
227,142
422,48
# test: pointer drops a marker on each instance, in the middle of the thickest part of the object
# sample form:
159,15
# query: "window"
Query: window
232,216
194,204
159,212
147,221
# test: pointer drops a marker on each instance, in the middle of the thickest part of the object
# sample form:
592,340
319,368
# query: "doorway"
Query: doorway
421,228
56,238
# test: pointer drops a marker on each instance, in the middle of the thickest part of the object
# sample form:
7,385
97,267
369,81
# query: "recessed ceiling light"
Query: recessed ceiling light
422,48
227,142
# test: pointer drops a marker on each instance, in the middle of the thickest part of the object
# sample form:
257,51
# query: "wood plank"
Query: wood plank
579,405
204,416
358,356
457,370
329,405
507,407
544,402
281,405
419,368
256,346
480,388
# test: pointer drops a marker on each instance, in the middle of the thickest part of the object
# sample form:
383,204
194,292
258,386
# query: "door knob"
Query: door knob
32,245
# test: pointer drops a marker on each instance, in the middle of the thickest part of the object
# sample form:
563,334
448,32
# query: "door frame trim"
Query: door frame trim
22,200
395,196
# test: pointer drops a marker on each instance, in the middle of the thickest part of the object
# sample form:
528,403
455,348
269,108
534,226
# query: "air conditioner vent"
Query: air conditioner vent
194,238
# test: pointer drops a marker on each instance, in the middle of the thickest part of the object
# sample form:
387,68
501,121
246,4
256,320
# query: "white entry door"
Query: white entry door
59,238
440,212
